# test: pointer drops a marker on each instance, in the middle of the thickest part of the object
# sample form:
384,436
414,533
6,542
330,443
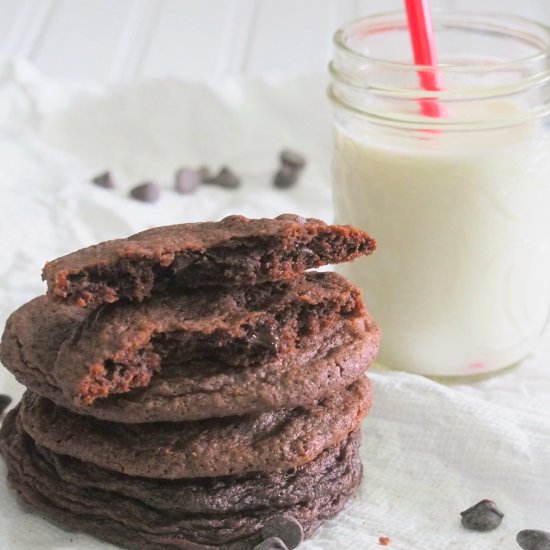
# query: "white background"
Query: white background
204,40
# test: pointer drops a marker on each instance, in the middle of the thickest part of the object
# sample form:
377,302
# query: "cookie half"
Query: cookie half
319,339
235,251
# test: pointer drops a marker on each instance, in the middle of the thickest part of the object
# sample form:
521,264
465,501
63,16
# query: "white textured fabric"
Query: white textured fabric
430,449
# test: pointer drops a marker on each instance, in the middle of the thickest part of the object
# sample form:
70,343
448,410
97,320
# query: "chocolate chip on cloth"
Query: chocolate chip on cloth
533,539
483,516
235,251
186,180
146,192
205,174
104,180
285,177
227,178
224,178
292,159
292,164
285,528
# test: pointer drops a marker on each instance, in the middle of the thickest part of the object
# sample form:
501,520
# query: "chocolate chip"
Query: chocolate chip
532,539
5,401
286,528
483,516
285,177
264,336
205,174
292,159
104,180
292,164
226,178
146,192
186,180
272,543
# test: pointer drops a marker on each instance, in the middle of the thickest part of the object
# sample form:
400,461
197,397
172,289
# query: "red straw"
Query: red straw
424,53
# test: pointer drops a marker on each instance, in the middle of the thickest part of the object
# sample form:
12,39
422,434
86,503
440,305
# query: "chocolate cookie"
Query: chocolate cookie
211,533
322,347
122,346
224,513
235,251
266,442
334,471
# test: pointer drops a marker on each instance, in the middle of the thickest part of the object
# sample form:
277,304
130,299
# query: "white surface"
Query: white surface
430,450
204,40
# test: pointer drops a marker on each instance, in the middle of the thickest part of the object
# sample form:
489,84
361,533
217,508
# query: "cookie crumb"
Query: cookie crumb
384,541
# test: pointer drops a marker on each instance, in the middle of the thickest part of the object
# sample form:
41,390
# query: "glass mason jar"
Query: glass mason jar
459,204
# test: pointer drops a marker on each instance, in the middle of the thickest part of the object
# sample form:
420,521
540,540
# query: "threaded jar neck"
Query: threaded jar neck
484,58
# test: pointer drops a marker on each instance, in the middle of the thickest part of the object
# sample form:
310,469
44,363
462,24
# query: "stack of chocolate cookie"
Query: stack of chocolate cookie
192,384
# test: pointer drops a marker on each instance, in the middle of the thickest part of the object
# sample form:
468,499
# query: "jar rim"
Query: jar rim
340,43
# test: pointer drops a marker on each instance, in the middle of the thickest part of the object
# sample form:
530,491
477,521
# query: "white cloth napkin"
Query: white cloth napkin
430,449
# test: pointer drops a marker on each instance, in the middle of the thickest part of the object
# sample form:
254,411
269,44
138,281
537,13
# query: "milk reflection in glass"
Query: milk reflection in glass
460,282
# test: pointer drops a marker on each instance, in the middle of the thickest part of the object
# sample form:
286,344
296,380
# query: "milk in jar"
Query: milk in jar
460,210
